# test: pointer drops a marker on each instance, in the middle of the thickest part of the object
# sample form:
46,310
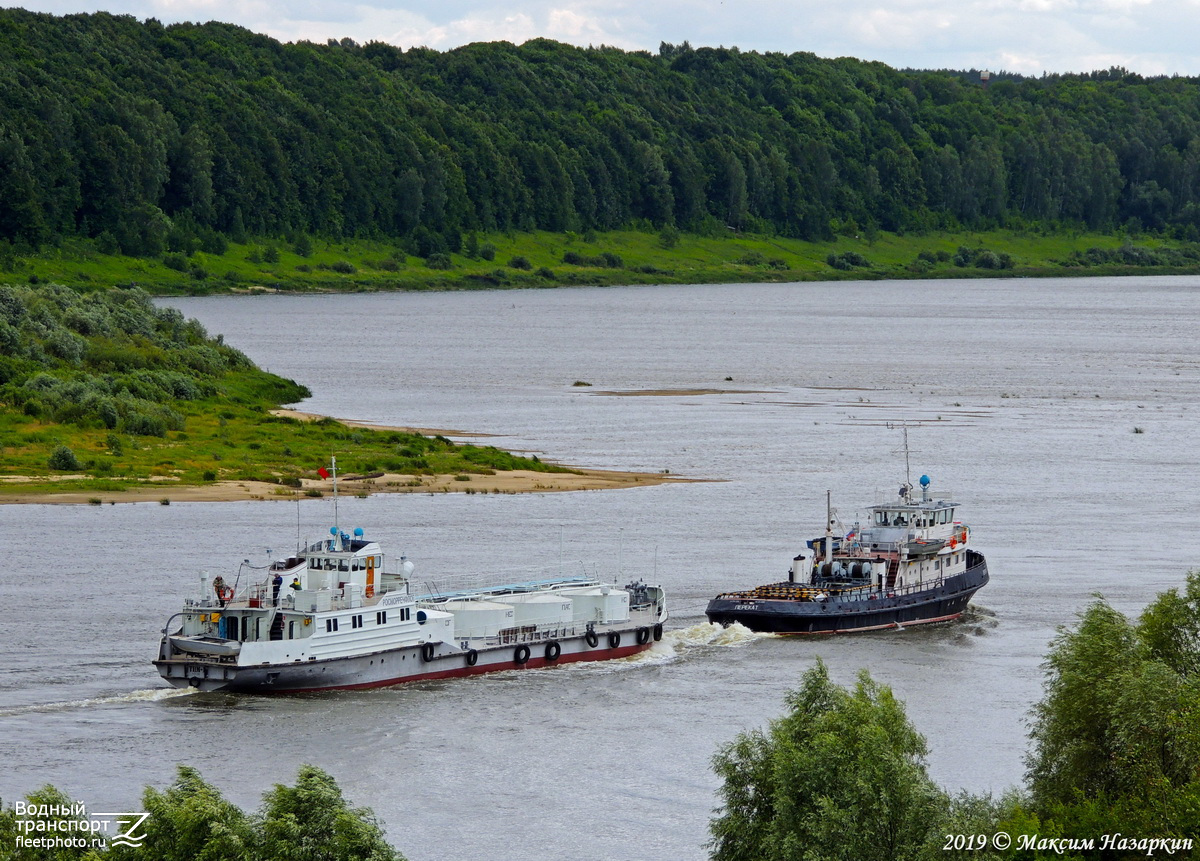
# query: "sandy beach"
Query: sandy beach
516,481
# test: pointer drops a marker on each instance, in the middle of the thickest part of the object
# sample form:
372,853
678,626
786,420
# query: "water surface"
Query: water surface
1059,413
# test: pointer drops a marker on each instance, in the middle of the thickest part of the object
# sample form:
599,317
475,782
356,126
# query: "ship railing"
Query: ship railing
865,592
909,588
533,634
522,580
890,499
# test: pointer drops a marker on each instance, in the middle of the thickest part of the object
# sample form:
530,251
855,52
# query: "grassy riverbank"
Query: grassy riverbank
106,397
543,259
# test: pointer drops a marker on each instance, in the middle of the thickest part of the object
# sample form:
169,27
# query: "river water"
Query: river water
1061,414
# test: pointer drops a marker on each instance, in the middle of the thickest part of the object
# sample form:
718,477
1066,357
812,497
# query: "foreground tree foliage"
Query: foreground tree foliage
1116,751
191,821
841,776
1117,736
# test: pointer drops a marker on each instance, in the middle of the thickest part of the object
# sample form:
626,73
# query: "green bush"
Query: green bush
520,262
62,458
847,260
144,425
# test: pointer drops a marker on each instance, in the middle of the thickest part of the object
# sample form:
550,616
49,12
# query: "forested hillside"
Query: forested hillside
149,139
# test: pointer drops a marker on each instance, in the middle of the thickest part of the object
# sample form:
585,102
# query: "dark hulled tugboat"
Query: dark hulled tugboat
911,564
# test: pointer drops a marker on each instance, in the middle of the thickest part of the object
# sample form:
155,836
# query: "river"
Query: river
1060,414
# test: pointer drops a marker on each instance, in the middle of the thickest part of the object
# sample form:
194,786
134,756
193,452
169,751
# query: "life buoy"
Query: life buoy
472,657
591,639
427,652
614,639
643,636
658,632
953,543
553,650
521,655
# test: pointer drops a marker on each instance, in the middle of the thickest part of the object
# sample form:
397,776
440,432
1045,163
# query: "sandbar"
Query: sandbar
164,491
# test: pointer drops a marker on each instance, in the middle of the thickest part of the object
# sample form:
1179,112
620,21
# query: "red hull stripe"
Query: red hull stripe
478,669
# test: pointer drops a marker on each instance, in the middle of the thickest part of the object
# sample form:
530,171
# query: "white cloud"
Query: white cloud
1030,36
887,27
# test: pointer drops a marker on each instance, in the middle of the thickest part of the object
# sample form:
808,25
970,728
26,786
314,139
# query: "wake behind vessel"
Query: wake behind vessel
333,616
910,565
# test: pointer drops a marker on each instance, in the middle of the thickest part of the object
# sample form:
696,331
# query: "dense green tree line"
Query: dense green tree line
149,138
1116,752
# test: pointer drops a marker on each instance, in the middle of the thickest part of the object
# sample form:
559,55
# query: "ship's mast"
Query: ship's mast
829,526
907,489
337,529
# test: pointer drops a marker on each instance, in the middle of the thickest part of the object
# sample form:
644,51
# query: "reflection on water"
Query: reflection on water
1025,396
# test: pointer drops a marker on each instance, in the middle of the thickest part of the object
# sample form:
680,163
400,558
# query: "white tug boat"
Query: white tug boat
333,616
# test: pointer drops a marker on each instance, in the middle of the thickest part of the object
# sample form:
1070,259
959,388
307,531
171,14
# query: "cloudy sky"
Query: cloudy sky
1152,37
